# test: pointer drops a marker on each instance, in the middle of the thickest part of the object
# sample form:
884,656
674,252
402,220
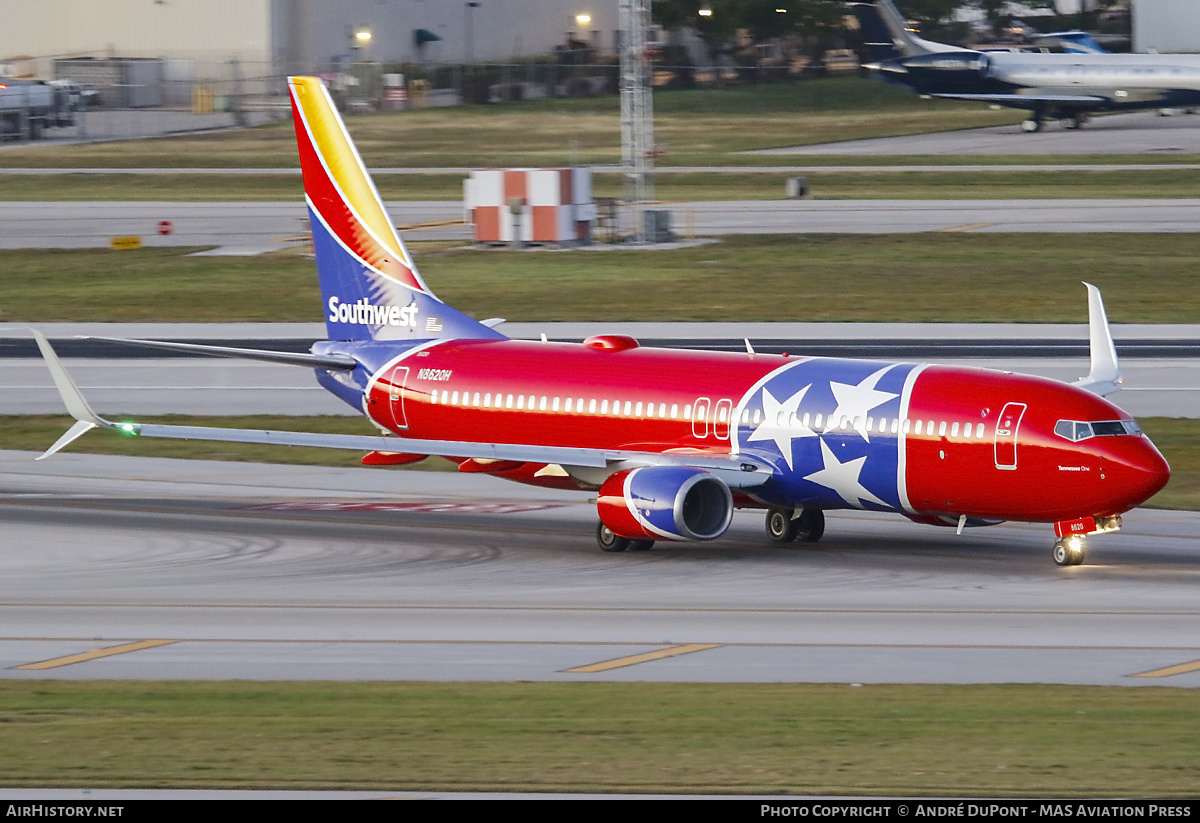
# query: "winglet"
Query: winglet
86,419
1105,376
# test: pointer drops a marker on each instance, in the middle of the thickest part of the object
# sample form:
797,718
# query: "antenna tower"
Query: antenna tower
637,110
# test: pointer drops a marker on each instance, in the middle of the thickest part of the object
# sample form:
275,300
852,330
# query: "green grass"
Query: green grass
923,277
692,127
1059,741
912,185
1178,440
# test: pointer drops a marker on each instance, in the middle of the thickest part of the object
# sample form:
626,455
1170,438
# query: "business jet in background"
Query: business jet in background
1069,86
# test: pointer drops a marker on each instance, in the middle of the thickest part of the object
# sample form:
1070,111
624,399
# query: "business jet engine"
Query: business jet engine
665,502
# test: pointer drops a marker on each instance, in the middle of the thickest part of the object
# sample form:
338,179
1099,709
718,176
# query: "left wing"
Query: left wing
1028,100
738,471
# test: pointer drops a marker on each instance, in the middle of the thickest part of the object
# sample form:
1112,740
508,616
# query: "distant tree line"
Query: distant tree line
751,32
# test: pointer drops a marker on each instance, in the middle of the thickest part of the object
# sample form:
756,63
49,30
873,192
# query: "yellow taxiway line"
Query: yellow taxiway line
966,227
94,654
634,659
1182,668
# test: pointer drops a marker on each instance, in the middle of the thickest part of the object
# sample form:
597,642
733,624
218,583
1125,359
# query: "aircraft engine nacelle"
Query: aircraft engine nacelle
665,502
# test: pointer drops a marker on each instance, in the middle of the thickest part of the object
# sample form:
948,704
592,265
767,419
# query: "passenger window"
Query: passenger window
919,422
954,429
942,429
637,410
675,412
979,431
555,407
592,407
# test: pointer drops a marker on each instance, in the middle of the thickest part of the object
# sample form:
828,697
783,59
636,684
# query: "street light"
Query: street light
470,32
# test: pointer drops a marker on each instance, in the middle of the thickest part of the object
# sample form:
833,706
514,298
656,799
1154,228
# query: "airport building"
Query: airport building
1166,26
298,35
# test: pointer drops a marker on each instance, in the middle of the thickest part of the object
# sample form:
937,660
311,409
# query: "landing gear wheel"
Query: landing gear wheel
810,525
641,545
1031,125
781,528
609,541
1077,121
1068,553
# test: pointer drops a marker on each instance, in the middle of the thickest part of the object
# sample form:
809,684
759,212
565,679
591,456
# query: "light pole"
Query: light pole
469,30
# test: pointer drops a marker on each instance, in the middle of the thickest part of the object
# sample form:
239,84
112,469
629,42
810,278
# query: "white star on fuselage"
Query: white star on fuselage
855,402
843,478
776,424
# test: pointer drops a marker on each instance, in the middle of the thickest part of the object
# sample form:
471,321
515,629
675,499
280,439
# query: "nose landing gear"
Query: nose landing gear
1068,551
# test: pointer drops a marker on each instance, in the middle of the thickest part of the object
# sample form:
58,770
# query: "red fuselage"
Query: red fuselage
919,440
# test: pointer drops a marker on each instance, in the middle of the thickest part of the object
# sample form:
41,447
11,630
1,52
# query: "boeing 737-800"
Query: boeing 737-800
1066,86
674,441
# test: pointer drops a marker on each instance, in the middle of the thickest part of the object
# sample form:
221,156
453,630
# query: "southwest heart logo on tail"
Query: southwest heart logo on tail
369,284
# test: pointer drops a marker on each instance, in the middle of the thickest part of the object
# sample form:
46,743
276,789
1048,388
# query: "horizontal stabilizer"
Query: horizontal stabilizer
313,361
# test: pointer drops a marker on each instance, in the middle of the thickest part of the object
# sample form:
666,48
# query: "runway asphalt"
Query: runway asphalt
246,228
1161,362
1144,132
156,568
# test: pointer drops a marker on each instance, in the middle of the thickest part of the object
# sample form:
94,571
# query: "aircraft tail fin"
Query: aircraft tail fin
370,286
887,36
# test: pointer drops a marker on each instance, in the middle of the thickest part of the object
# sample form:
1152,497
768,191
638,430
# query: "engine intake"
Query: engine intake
671,502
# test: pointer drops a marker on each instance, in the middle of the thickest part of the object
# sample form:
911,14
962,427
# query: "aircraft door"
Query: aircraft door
398,380
700,417
722,412
1006,435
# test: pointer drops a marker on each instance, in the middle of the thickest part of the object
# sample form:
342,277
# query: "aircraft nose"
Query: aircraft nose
1145,469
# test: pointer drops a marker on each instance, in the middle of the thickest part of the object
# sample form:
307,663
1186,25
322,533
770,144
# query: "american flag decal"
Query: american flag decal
433,324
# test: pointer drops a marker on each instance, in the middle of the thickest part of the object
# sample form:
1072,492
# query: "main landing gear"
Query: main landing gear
1068,551
784,525
611,542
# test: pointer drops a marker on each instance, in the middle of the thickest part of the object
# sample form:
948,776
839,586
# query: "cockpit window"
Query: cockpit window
1076,430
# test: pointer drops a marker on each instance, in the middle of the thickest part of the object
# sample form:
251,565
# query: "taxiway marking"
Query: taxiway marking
634,659
966,227
1182,668
54,663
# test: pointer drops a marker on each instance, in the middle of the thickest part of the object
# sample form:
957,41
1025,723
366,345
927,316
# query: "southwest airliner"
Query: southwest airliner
672,441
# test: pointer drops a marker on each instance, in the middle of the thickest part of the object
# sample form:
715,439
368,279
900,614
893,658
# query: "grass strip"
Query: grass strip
1002,740
1177,439
696,127
908,185
932,277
